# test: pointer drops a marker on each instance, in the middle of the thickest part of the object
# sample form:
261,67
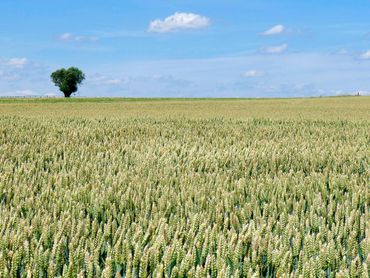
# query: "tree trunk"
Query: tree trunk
67,95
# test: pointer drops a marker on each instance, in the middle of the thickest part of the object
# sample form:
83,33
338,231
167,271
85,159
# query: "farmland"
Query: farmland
185,188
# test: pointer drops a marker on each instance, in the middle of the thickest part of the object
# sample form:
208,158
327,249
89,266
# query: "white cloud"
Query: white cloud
17,62
365,55
253,73
275,30
275,49
68,37
179,21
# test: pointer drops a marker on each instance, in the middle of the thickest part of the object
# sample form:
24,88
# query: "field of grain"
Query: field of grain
185,188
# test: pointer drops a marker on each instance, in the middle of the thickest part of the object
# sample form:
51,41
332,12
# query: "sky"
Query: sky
188,48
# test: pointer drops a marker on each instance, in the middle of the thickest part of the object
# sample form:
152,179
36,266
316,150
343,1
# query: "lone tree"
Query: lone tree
68,80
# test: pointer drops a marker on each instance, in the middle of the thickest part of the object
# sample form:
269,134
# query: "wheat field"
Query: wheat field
185,188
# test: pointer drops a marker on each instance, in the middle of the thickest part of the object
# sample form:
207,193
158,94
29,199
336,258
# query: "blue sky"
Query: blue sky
191,48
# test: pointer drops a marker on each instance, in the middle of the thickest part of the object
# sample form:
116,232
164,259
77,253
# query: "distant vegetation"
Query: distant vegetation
272,188
68,80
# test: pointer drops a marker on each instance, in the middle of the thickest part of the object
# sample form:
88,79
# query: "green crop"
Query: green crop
99,191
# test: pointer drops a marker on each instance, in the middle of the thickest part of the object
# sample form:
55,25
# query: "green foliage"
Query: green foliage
68,80
157,197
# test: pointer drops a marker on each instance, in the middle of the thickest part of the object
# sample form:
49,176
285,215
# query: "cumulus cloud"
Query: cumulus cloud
179,21
68,37
275,49
274,30
253,73
17,62
365,55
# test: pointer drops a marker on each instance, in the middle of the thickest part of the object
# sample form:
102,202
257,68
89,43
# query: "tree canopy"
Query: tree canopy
68,80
